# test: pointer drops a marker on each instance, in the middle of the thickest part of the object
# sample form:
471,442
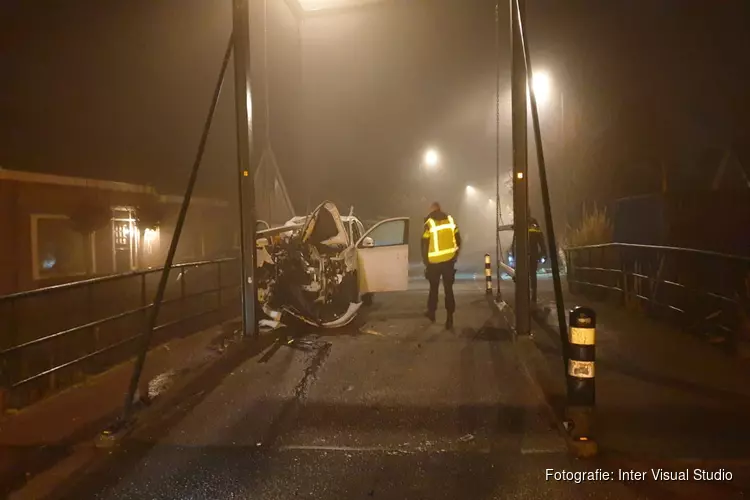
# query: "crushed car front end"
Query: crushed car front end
308,269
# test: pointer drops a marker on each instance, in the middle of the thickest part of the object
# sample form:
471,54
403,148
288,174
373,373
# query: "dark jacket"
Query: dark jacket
537,247
437,215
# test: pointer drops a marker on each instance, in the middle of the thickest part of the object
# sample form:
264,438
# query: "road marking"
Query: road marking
542,443
541,451
413,449
293,447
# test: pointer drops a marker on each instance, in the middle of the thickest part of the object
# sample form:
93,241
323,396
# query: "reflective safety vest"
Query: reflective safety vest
442,236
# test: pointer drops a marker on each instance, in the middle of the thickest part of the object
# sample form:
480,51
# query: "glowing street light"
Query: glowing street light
431,158
542,87
543,90
470,190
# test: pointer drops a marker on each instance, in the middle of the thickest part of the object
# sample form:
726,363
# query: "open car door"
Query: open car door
383,257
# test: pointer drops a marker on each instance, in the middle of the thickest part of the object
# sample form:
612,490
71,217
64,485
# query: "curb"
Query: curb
542,381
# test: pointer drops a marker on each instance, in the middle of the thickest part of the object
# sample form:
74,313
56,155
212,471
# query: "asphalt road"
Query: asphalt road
664,398
391,407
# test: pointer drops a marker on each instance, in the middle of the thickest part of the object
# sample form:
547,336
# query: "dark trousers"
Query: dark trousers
533,265
446,271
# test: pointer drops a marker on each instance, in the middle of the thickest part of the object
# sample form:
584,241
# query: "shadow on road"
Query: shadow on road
161,416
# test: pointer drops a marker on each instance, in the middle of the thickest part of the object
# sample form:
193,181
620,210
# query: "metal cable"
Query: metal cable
265,74
145,340
551,241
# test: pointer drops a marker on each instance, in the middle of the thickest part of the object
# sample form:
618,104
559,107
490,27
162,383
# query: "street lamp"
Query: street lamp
542,87
470,190
431,158
542,84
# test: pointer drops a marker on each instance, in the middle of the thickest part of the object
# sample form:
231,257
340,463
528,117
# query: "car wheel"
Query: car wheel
367,299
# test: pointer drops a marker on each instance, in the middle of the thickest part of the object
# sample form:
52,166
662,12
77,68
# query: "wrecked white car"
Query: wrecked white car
322,267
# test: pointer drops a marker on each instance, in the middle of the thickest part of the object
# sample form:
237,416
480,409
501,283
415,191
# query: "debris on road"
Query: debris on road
466,438
160,383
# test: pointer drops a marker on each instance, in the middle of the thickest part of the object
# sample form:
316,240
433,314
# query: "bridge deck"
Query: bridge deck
394,407
391,407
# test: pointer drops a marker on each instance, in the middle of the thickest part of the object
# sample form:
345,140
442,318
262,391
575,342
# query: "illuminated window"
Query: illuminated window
57,249
125,236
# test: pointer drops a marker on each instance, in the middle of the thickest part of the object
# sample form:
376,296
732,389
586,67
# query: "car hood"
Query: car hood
325,227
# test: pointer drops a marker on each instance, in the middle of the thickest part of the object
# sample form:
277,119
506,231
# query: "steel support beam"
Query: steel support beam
243,90
520,171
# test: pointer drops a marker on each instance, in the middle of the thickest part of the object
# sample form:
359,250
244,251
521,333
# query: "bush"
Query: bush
595,228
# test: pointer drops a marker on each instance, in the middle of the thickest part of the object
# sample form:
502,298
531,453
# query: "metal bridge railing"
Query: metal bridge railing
54,337
706,292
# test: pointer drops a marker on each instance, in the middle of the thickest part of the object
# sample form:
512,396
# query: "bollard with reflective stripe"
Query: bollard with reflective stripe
581,349
488,273
580,379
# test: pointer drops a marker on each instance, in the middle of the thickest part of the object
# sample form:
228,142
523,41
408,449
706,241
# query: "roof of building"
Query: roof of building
107,185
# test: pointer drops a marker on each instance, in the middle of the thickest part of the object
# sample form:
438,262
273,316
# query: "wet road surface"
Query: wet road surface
391,407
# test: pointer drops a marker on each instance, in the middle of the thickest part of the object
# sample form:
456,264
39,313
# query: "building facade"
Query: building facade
56,229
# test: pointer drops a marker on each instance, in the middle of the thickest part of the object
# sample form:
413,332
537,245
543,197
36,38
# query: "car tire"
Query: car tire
367,299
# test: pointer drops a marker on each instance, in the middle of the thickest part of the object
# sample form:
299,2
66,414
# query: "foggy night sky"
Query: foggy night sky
119,90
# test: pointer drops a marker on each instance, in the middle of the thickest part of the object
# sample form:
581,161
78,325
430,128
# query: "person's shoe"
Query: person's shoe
449,322
430,315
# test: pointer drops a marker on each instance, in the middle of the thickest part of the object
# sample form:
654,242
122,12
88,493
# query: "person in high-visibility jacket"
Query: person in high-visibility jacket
441,244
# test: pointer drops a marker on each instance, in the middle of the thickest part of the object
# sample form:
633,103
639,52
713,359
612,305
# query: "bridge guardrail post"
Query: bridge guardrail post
4,385
623,277
488,273
570,270
581,404
219,287
5,363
